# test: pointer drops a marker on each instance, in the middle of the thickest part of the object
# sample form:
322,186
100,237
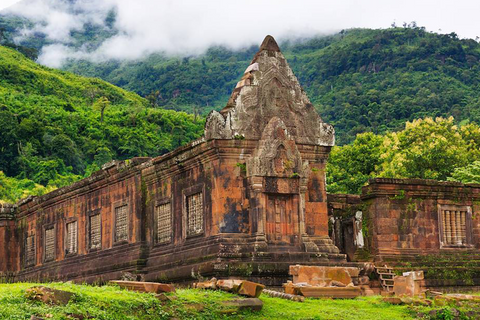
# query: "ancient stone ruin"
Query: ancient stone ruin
248,200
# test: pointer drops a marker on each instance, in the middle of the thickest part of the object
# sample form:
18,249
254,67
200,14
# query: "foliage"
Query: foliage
54,130
426,148
110,302
349,167
12,189
429,149
360,80
467,174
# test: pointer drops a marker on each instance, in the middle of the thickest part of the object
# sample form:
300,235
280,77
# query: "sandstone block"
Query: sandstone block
330,292
250,289
210,284
230,285
322,276
48,295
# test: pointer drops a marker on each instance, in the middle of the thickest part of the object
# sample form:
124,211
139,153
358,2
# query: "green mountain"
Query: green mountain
360,80
57,127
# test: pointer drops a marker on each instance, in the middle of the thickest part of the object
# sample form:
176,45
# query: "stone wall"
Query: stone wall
406,227
405,215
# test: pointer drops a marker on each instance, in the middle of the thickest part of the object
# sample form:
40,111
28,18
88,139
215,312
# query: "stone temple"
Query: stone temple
248,199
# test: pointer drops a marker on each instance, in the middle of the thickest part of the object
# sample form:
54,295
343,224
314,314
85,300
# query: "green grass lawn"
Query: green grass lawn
111,302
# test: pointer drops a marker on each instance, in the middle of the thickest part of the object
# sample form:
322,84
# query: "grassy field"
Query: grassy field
111,302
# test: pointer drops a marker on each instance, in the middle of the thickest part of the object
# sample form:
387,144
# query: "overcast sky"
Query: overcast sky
191,26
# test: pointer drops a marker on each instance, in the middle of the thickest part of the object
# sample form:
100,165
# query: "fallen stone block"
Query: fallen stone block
48,295
252,304
250,289
230,285
139,286
210,284
322,275
330,292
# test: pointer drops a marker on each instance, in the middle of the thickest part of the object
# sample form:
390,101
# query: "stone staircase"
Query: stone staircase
386,275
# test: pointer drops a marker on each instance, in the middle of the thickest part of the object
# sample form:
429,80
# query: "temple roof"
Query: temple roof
269,89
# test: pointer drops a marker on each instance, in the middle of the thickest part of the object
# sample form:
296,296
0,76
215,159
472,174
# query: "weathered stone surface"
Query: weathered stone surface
322,276
252,304
209,284
153,287
330,292
48,295
250,289
406,285
230,285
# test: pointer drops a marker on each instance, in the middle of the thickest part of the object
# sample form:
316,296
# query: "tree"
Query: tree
427,148
467,174
349,167
101,104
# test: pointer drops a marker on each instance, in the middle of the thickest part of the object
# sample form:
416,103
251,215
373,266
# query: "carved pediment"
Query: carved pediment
276,154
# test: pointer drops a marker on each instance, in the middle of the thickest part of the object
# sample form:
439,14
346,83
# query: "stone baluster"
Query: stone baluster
458,226
453,227
446,227
463,227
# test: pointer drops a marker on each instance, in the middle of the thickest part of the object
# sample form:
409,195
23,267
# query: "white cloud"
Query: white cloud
191,26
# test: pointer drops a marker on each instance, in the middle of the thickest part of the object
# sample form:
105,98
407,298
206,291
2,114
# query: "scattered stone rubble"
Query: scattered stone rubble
242,287
322,281
250,289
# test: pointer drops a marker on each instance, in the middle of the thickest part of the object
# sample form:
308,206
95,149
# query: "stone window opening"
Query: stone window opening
121,223
455,226
194,208
71,240
30,252
163,223
95,231
49,244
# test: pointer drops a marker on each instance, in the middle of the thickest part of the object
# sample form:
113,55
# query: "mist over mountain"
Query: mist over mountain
189,57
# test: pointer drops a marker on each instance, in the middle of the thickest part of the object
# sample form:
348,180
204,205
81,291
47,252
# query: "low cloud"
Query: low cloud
189,27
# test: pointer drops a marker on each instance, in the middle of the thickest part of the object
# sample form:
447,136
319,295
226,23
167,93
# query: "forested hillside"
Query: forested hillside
359,80
57,127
